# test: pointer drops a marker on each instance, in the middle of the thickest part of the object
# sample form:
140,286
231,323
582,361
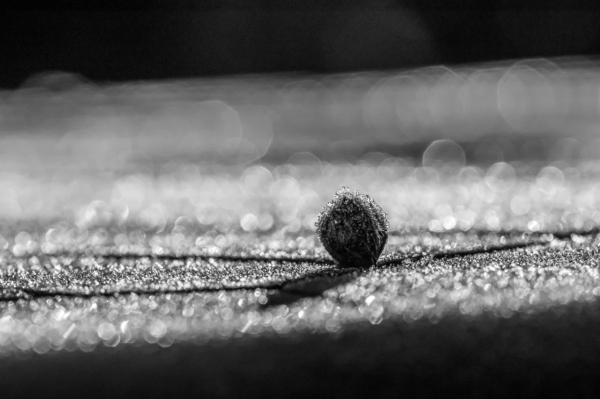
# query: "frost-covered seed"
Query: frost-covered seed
353,229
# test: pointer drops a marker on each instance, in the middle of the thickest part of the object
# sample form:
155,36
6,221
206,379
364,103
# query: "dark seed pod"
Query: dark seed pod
353,229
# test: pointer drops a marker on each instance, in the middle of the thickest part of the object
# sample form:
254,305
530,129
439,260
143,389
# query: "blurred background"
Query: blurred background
235,82
202,120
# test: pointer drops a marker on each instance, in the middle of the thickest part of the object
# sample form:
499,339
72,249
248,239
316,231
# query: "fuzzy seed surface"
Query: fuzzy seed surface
353,229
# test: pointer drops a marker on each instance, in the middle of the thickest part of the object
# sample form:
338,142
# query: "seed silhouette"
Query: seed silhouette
353,229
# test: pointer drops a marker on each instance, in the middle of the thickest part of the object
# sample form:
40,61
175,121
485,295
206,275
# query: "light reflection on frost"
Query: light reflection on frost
194,209
523,281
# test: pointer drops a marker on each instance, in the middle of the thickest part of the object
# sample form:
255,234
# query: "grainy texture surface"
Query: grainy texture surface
478,309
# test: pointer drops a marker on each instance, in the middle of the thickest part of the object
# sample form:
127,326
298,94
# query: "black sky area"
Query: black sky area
186,39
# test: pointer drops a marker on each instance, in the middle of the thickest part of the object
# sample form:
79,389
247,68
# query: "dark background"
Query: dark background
178,39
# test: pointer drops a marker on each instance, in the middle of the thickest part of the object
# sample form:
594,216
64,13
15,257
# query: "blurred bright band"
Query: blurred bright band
531,109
